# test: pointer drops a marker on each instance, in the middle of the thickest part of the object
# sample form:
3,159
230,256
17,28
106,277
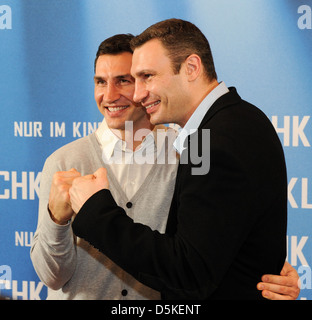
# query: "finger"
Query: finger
288,269
101,178
65,182
271,287
280,280
65,176
70,173
88,177
274,296
79,180
74,172
283,291
100,173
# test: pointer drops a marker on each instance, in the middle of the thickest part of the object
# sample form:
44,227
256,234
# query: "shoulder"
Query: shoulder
232,112
72,148
73,154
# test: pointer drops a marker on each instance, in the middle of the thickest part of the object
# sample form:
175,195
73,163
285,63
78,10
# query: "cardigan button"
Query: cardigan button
129,205
124,292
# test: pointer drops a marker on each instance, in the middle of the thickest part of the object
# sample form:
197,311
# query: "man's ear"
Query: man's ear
193,67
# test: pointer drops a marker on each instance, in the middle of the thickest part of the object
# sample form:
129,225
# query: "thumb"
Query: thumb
101,176
100,173
73,170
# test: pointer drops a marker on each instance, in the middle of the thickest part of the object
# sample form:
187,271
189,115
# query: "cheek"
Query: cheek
98,95
137,112
167,89
176,92
128,93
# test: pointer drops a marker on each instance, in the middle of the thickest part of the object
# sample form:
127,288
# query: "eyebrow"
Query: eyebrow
143,72
122,76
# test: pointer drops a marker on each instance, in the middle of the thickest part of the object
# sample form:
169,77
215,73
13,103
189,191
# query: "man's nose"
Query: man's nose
111,93
140,93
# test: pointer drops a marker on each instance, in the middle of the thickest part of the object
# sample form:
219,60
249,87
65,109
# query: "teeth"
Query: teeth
112,109
153,104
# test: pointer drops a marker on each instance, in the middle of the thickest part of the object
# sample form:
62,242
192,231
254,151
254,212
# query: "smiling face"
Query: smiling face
113,92
164,95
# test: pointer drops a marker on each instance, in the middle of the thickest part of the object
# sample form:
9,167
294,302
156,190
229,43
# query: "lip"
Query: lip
152,107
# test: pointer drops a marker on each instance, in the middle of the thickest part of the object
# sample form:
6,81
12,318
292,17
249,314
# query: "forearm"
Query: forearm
164,263
53,253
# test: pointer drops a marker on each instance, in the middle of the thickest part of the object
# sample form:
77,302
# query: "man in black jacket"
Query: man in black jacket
228,218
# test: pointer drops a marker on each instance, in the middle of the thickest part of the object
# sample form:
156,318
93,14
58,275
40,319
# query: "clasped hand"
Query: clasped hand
69,191
84,187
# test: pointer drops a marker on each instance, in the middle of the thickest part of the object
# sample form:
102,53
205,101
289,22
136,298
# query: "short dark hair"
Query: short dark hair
115,45
181,39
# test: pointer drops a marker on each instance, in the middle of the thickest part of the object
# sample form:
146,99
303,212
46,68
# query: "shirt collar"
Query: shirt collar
198,115
107,139
110,142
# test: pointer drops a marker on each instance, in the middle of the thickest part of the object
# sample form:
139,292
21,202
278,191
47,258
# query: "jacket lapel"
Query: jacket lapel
224,101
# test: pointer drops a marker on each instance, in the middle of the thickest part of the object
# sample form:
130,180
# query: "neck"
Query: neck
133,136
199,93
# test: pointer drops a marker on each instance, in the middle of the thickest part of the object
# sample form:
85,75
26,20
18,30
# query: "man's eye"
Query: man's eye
100,82
147,76
124,81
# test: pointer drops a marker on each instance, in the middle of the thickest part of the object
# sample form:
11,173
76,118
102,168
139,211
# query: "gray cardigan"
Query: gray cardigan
69,266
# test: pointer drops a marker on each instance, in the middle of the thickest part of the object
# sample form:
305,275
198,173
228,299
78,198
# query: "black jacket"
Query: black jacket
225,228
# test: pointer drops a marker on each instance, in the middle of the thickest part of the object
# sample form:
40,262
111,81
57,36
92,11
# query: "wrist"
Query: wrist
57,221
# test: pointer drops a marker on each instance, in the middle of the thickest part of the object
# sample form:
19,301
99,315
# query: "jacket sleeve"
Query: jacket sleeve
52,253
191,259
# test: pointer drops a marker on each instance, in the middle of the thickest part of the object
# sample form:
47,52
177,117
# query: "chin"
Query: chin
155,120
119,125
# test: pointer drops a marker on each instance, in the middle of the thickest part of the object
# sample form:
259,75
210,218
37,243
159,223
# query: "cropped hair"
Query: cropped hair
115,45
181,39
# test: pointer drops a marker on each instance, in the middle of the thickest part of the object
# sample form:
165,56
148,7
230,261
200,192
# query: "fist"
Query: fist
59,200
84,187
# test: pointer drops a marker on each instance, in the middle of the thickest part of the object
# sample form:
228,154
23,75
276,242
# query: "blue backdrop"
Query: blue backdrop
47,50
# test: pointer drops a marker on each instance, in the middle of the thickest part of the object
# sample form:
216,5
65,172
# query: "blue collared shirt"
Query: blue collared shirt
194,121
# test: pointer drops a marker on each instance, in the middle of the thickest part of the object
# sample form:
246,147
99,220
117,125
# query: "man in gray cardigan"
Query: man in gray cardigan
69,266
